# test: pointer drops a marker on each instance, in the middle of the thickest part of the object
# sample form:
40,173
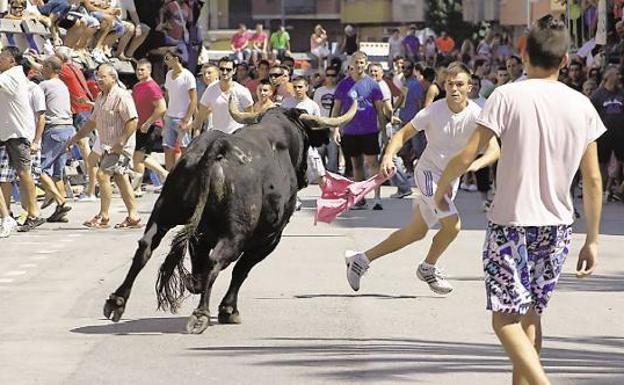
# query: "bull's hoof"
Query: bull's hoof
193,285
198,322
114,307
227,315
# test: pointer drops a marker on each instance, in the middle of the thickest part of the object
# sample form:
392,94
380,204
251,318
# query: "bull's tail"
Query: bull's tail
170,285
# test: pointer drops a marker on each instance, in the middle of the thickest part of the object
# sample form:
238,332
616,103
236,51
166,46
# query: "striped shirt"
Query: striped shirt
110,114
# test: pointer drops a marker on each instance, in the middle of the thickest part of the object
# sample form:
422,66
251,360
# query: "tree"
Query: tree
446,15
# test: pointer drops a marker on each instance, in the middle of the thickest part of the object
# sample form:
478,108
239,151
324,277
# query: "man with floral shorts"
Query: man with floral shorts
547,131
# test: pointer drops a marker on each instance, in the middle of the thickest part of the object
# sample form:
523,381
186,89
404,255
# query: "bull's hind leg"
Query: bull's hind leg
226,251
199,248
115,305
228,310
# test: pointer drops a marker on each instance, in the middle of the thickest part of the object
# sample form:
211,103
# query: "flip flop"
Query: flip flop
97,222
129,223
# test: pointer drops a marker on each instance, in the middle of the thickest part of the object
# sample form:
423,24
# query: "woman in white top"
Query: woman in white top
395,42
318,45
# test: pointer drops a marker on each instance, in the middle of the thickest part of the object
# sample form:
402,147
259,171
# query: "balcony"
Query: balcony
299,7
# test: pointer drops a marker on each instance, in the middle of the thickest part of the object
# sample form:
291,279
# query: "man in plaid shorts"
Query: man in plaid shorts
16,129
547,131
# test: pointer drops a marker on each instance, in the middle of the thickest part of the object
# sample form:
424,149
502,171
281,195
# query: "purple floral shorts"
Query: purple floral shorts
522,265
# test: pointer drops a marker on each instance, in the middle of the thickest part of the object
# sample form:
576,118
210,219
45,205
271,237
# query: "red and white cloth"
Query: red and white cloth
338,194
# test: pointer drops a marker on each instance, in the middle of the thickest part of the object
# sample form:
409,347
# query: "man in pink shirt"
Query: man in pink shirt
151,106
258,43
240,43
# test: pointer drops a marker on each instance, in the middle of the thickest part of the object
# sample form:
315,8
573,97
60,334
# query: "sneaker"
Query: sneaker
377,206
87,198
7,225
59,214
30,224
357,264
138,193
486,205
401,194
158,189
360,205
298,204
472,187
434,278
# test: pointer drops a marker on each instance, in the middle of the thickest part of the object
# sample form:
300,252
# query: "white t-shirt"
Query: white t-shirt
544,127
447,132
178,93
306,104
217,101
37,103
16,117
324,97
385,90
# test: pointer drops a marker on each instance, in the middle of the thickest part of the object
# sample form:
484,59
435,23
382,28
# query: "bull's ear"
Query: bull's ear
241,117
320,122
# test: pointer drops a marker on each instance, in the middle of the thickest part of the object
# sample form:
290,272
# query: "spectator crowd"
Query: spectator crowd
66,92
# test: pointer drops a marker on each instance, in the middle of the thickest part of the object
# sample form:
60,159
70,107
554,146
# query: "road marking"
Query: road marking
28,265
46,251
6,280
74,235
14,273
40,258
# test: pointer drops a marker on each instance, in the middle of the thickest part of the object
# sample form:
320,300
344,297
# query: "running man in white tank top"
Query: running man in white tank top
448,124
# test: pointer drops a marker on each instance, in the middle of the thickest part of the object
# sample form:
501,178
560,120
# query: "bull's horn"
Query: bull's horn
241,117
319,122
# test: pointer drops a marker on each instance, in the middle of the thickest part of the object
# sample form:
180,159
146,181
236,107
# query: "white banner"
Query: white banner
601,30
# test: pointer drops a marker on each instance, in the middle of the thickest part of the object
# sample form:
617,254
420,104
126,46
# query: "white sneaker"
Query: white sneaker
298,204
7,225
434,278
401,194
87,198
357,264
485,206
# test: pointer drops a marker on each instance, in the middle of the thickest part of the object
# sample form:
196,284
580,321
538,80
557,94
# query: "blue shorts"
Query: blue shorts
117,28
53,153
522,265
171,133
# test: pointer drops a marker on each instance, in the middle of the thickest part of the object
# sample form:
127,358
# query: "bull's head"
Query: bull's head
311,121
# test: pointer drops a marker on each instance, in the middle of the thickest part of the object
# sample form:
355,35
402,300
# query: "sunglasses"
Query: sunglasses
331,75
274,75
225,69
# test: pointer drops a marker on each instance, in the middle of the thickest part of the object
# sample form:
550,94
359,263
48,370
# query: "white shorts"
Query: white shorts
427,183
315,165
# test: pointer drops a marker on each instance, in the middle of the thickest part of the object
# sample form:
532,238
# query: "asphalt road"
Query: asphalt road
302,324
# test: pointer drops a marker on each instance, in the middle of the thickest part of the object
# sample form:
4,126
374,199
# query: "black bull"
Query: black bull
234,194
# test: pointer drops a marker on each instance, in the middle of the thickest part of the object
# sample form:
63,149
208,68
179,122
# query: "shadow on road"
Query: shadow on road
595,282
170,325
380,360
368,295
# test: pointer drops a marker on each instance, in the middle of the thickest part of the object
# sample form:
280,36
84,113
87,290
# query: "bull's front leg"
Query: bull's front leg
225,252
228,309
115,305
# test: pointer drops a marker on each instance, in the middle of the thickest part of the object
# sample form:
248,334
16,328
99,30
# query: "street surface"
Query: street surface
302,324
